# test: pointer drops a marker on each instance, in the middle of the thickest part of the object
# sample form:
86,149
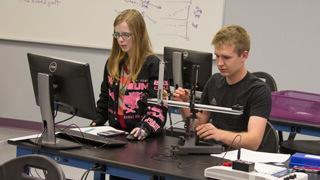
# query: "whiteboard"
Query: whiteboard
187,24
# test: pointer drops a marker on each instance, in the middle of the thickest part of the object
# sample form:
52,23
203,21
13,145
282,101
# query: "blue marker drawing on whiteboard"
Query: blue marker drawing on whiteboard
179,17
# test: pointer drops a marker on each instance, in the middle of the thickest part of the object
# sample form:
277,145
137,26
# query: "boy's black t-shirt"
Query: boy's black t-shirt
251,93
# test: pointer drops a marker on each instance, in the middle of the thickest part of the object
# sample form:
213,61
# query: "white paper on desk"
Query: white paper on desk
90,130
25,137
96,129
268,168
254,156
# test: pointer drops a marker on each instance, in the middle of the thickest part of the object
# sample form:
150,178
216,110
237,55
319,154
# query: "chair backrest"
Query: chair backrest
270,141
19,168
268,79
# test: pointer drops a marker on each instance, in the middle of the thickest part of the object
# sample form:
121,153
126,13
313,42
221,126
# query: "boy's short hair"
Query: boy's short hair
232,35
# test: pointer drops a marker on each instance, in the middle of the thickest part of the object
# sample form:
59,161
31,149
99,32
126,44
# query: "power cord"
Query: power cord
229,148
67,128
73,111
39,136
72,116
86,173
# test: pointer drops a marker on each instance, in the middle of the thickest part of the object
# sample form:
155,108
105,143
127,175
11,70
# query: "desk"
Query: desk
294,126
138,160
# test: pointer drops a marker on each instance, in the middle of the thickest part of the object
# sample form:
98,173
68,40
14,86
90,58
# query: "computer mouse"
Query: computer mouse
131,137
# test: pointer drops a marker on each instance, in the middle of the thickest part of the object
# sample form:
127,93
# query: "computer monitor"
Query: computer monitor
60,85
179,64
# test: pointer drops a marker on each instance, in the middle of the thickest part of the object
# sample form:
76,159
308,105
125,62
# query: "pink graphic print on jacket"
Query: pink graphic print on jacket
131,102
156,112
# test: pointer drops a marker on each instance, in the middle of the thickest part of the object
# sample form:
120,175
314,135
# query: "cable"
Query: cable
72,116
39,136
229,148
178,122
39,176
170,120
73,111
86,173
56,111
68,127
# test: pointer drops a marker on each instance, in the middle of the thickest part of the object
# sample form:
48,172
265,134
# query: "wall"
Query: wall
17,98
285,37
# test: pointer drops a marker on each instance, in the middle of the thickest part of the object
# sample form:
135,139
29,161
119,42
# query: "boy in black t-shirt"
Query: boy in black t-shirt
234,85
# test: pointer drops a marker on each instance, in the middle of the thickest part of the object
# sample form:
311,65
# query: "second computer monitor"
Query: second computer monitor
60,85
71,84
188,59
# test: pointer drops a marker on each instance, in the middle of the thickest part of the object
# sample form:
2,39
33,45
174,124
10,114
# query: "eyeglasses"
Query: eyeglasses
124,35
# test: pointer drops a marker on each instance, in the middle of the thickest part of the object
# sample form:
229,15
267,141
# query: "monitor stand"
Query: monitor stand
45,99
189,144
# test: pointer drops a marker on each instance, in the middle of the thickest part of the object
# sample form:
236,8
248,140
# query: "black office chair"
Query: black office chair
267,78
270,81
19,168
270,141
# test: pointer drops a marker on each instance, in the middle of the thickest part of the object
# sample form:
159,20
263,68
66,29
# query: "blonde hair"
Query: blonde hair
141,47
232,35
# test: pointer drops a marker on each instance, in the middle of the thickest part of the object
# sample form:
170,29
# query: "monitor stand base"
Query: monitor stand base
60,144
189,146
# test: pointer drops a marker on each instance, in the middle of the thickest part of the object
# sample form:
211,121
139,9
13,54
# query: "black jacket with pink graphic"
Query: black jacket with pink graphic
137,113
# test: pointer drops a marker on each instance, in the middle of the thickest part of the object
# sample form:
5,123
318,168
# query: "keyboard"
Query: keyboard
91,139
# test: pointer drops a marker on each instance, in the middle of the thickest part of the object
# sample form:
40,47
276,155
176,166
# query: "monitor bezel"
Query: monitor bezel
204,59
37,64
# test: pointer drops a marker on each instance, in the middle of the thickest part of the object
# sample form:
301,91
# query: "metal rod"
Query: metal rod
197,106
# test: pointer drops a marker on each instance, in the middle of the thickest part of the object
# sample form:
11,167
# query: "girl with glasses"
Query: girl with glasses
131,75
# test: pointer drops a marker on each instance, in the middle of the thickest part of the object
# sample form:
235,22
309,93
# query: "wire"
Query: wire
229,148
72,116
76,139
178,122
73,138
86,173
43,171
56,111
39,136
73,111
82,134
170,119
69,126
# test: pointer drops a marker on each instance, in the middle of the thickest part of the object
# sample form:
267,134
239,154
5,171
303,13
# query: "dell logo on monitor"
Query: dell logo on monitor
53,66
185,54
